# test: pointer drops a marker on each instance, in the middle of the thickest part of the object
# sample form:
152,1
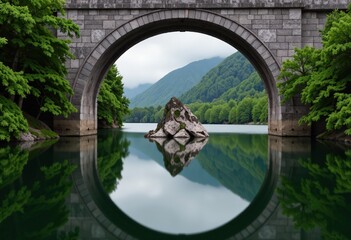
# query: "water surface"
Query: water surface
90,187
207,193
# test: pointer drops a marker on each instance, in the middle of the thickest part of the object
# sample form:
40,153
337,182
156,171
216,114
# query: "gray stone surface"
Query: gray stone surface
266,31
136,4
178,122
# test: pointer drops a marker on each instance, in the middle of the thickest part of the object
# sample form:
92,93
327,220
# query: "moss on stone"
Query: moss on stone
182,126
177,113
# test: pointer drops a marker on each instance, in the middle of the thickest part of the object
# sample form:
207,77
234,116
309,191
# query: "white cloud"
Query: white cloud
152,197
151,59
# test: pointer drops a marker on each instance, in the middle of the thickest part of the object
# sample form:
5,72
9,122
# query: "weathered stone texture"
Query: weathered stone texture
267,30
136,4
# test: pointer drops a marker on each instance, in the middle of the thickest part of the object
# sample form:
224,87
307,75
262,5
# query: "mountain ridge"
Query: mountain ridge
132,92
228,74
185,78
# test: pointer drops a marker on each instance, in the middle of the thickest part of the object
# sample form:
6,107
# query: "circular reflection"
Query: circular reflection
152,197
199,187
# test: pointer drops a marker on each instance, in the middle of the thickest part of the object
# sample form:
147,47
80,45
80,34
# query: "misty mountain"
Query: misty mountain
132,92
174,83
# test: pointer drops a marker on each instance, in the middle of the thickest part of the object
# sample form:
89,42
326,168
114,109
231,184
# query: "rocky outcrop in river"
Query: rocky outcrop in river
178,122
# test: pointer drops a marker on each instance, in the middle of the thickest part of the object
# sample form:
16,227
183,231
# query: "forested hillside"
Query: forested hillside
174,83
249,87
231,92
228,74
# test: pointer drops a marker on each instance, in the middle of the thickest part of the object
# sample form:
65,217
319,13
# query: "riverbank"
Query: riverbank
338,136
38,130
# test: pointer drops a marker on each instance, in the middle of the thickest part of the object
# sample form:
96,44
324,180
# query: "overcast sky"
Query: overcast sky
151,196
151,59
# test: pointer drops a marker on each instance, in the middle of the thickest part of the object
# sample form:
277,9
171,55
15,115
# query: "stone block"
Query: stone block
244,20
108,24
262,11
267,35
291,24
72,14
294,13
74,63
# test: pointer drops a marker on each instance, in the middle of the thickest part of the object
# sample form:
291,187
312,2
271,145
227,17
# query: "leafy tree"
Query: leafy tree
208,116
245,110
322,76
201,111
214,116
260,110
233,114
224,114
34,51
112,105
158,115
12,121
32,58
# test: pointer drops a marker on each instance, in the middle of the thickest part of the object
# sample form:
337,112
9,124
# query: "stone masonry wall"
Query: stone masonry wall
310,4
279,25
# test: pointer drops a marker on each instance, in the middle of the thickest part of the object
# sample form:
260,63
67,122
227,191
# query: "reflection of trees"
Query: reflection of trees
32,197
12,162
237,161
321,198
112,148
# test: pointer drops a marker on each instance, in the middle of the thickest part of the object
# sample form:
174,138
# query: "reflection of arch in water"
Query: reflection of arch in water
121,226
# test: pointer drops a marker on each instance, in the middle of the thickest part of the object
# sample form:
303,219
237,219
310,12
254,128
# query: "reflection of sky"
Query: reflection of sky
152,197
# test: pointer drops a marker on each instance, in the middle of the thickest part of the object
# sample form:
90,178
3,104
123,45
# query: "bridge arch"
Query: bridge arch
87,82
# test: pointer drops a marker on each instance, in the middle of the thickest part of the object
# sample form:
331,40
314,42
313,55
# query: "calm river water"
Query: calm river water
239,183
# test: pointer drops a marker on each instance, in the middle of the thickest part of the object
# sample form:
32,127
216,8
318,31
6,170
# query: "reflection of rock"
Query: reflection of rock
178,122
177,153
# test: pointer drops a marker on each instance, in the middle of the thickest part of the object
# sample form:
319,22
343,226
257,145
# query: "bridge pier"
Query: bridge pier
75,127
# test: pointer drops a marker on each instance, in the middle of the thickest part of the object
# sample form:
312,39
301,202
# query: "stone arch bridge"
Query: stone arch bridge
265,31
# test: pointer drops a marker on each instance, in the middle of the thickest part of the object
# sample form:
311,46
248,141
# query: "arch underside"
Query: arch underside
87,82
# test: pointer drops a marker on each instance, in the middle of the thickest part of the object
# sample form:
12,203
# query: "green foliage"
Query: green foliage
13,83
12,121
260,110
246,111
243,156
12,162
26,202
249,87
32,58
32,198
112,105
228,74
14,202
322,76
174,84
226,94
321,197
112,149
